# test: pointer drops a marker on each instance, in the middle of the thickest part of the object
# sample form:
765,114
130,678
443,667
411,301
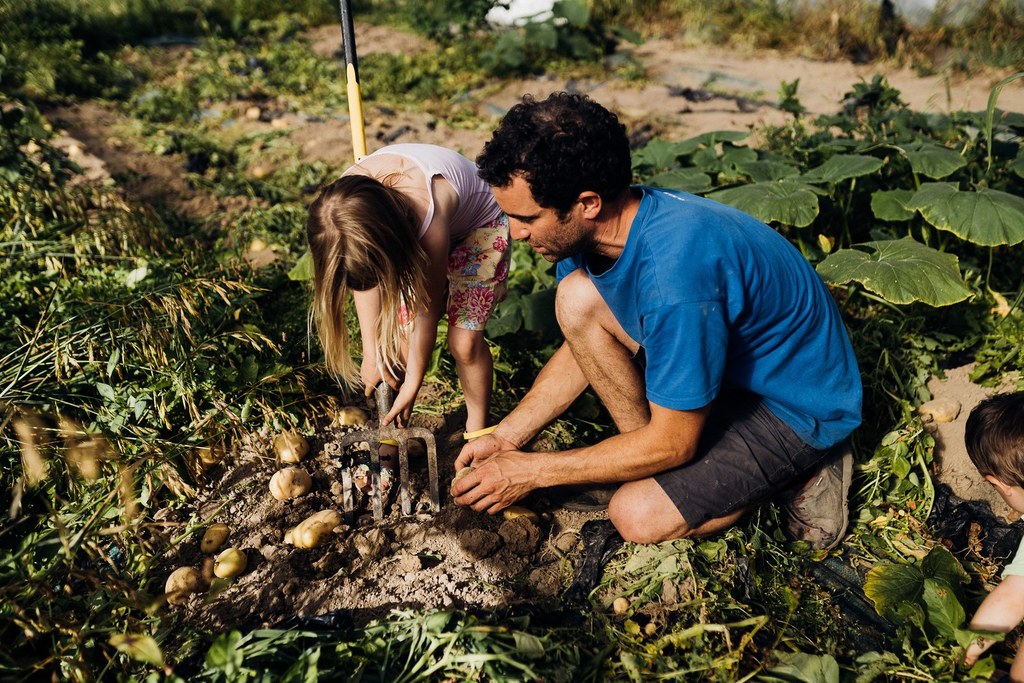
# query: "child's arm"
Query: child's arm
367,311
424,331
1000,612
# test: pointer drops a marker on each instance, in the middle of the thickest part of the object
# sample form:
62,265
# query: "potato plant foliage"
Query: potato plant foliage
135,336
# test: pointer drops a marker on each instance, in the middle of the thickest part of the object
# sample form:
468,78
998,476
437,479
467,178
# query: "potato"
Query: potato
183,582
315,529
350,416
288,536
461,473
214,537
620,605
291,447
230,563
291,482
514,511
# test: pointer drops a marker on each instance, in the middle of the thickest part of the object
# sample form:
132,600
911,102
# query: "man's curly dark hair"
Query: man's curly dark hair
563,145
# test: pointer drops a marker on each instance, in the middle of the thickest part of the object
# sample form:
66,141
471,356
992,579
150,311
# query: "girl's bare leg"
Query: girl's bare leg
475,369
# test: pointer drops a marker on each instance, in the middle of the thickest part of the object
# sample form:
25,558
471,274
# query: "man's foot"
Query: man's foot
818,511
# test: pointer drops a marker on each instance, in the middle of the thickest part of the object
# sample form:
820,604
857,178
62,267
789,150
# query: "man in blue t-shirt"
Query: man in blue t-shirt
717,349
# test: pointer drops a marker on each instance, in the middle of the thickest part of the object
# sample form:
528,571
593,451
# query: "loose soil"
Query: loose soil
458,558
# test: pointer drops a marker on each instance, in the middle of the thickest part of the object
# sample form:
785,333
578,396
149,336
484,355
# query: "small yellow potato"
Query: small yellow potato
651,628
230,563
214,537
620,605
183,582
291,447
291,482
351,416
288,536
315,529
514,511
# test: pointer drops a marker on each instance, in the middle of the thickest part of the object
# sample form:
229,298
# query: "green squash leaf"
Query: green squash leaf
891,205
801,667
784,201
890,585
986,217
1017,166
933,160
842,167
710,139
945,612
900,271
764,171
658,154
940,564
685,179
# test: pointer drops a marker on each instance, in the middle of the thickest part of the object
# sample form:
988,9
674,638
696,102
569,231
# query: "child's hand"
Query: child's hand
401,409
976,649
370,375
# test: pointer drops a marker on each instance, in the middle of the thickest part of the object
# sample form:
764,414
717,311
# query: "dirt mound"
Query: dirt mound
456,558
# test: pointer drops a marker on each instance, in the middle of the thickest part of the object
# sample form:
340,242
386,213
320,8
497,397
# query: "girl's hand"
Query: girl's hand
401,409
370,375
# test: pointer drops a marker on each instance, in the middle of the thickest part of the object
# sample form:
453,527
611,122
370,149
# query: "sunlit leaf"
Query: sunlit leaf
842,167
784,201
891,205
986,217
900,271
933,160
710,139
141,648
890,585
303,269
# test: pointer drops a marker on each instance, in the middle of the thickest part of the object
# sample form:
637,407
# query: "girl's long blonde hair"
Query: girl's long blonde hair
362,234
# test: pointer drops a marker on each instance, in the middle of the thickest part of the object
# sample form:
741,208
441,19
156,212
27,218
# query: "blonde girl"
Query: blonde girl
407,230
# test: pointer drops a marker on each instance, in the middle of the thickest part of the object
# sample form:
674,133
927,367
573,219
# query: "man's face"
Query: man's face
541,228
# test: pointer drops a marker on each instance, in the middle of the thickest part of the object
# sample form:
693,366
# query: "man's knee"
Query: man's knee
577,302
643,513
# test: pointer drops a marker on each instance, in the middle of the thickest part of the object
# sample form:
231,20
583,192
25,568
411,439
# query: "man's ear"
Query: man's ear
1000,486
592,204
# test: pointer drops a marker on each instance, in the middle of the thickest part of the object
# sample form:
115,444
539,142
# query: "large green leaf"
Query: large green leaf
986,217
1017,166
801,667
785,201
657,153
842,167
686,179
932,159
900,271
763,171
892,585
891,205
303,269
710,139
945,612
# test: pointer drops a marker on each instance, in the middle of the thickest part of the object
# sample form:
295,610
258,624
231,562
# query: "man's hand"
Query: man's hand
481,448
496,482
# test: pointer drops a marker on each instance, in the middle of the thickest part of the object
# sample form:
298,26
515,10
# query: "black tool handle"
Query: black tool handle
348,36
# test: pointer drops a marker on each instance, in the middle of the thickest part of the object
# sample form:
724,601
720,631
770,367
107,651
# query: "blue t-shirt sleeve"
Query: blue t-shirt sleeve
686,347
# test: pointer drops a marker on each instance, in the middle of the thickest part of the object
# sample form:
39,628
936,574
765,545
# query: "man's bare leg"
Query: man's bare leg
643,513
603,351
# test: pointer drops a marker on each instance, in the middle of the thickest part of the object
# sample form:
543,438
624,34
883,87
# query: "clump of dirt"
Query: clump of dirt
456,558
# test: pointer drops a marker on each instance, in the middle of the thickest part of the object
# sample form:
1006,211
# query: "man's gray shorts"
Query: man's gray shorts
746,454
